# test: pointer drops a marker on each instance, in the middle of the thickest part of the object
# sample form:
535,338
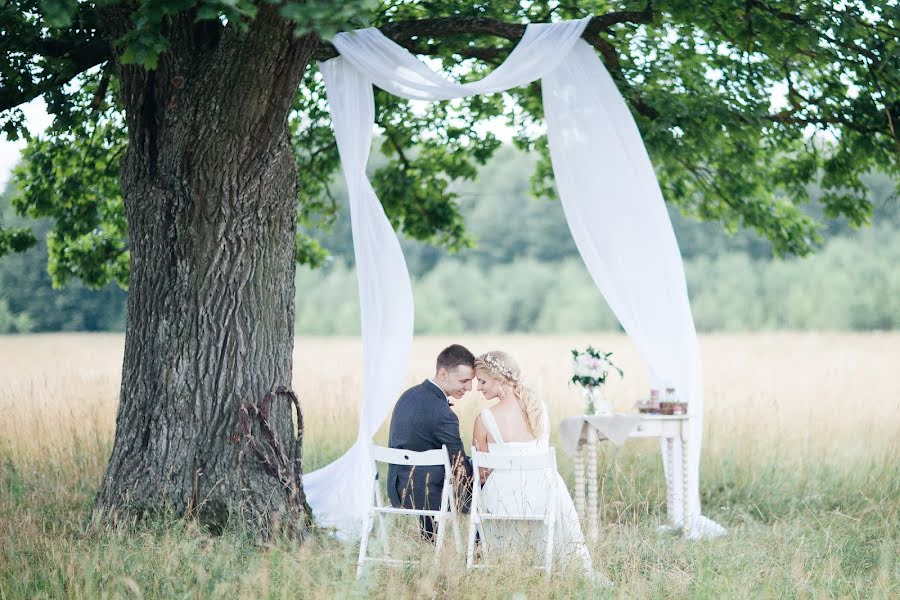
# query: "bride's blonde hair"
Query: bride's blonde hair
501,366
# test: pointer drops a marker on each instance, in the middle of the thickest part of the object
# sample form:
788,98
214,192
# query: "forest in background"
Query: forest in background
524,274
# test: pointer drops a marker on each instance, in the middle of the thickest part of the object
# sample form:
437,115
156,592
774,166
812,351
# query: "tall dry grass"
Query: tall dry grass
800,462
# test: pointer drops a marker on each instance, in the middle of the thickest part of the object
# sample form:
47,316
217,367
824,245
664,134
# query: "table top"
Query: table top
631,415
617,427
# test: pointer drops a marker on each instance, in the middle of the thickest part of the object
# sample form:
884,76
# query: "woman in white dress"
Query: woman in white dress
519,423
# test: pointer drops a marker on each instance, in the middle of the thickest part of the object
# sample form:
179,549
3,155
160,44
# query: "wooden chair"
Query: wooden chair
512,462
377,510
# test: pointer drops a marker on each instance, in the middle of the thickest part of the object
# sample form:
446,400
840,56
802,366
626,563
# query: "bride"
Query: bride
520,423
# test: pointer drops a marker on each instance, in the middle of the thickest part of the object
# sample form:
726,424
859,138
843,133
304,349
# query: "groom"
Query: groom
422,420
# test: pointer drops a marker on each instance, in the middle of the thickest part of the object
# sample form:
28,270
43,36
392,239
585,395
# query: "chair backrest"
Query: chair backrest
396,456
514,462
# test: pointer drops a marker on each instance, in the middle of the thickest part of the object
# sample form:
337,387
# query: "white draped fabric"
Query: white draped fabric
610,197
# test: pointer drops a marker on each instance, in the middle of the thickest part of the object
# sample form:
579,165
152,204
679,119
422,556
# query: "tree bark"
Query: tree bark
210,188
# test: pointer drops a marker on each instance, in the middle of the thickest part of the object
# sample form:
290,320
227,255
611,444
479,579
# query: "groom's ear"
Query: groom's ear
442,373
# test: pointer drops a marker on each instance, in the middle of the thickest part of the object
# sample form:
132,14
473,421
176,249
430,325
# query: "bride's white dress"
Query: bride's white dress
514,492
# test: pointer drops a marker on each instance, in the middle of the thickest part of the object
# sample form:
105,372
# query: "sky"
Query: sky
38,120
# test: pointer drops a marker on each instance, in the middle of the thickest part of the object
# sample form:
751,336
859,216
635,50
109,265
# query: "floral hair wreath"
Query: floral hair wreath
497,367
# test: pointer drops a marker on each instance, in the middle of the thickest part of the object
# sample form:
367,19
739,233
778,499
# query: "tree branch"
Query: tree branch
487,55
413,35
409,34
403,32
79,58
799,20
398,148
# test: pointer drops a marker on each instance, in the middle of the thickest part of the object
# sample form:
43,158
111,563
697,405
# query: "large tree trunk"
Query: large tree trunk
210,189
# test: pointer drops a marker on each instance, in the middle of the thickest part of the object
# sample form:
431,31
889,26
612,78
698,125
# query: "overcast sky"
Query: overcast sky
38,120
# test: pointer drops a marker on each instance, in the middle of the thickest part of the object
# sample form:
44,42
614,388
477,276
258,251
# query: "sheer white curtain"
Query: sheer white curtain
611,200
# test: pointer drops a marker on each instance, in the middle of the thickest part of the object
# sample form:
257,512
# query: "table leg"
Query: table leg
670,480
593,526
685,479
579,481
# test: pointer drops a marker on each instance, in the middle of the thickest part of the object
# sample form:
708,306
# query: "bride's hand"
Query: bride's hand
485,473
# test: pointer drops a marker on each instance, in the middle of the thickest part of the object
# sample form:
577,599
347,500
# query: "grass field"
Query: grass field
801,462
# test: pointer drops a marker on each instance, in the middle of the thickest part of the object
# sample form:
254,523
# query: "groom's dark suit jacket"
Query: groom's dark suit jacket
422,420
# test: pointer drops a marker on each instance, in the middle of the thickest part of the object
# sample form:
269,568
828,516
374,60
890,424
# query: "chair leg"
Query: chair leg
457,534
363,544
440,522
454,521
470,546
382,535
382,524
548,558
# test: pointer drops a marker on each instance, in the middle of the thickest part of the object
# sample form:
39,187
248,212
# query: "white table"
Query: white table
618,427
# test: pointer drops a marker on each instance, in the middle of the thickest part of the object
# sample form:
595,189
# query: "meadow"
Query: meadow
801,463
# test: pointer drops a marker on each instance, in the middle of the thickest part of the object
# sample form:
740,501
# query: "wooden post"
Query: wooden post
685,479
579,480
593,527
670,480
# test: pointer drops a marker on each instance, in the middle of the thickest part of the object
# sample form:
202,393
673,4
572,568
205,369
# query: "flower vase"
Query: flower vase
594,401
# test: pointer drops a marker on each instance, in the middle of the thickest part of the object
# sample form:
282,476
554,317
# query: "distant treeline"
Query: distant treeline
852,284
28,302
525,274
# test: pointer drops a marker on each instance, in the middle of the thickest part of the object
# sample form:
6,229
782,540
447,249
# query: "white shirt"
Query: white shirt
431,381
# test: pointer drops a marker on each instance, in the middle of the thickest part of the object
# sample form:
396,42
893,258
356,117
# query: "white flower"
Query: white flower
581,366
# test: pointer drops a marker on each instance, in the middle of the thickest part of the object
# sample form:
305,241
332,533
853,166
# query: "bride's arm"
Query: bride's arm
480,441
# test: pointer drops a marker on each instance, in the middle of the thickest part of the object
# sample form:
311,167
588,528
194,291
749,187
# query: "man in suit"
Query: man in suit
422,420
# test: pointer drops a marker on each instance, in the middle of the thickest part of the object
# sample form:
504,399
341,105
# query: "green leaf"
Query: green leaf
16,240
59,13
309,251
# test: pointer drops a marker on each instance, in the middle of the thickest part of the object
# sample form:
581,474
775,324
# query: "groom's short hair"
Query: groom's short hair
454,355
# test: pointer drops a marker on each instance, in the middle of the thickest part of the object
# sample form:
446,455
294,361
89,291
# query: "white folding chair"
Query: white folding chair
377,510
546,514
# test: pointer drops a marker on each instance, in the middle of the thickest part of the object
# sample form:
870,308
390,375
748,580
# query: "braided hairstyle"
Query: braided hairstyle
501,366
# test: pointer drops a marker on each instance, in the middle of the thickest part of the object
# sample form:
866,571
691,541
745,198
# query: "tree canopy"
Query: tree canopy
743,106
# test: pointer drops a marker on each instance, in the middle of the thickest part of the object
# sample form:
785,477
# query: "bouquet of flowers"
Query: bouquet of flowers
592,367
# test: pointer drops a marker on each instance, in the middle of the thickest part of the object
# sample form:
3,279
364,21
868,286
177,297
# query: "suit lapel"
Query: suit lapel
438,392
